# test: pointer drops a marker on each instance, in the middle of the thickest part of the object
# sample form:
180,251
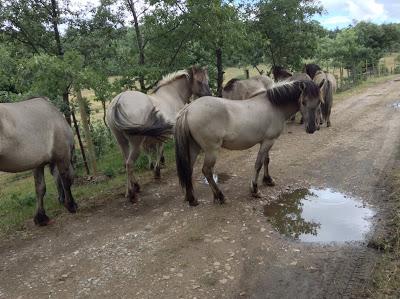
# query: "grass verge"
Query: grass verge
17,193
386,277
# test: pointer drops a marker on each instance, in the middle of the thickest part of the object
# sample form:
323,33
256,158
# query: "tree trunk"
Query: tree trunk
86,130
67,113
103,104
220,72
60,52
55,22
139,39
78,134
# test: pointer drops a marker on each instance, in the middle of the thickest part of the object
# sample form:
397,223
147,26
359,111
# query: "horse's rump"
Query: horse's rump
154,124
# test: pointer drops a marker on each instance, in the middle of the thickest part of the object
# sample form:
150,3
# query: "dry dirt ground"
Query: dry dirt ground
162,248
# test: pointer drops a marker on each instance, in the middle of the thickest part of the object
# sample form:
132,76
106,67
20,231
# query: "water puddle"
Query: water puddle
396,105
219,178
320,215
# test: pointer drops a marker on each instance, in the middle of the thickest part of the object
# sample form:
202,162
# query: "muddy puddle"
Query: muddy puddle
320,215
219,178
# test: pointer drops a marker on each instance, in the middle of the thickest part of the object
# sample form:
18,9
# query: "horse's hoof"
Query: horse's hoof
257,194
193,203
41,219
72,207
328,124
136,188
268,181
220,198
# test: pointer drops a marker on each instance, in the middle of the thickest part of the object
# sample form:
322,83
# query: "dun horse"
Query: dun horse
237,89
137,119
211,123
329,87
33,134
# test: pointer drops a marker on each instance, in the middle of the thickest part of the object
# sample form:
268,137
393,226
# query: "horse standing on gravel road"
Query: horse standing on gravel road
329,87
139,120
210,123
33,134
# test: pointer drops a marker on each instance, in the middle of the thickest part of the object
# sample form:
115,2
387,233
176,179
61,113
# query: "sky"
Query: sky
341,13
338,13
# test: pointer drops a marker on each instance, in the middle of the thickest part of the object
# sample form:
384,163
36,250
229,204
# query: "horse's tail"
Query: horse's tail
183,141
155,125
328,98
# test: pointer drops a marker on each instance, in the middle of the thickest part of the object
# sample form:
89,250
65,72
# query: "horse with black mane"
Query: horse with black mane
211,123
328,88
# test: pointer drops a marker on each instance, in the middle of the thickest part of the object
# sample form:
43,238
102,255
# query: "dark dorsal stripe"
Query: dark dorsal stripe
231,84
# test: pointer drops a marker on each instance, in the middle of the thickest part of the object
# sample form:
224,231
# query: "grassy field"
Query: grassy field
387,273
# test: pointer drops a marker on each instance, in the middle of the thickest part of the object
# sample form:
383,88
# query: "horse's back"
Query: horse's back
32,132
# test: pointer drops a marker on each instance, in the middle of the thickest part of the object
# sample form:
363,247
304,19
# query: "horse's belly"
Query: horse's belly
17,162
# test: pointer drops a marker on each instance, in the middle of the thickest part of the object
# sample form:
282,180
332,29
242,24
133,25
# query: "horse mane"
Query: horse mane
169,78
230,85
280,72
288,92
311,69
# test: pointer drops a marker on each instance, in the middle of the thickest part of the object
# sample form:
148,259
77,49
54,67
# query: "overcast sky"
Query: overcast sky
340,13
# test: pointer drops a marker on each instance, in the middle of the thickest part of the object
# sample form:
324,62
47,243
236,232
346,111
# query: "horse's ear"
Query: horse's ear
321,84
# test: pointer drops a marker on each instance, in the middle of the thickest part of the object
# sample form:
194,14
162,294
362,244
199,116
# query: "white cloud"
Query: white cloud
366,10
357,9
336,20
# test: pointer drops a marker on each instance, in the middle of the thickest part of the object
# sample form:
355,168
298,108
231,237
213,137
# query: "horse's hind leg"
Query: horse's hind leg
132,184
157,166
66,176
328,115
209,161
40,186
57,179
261,157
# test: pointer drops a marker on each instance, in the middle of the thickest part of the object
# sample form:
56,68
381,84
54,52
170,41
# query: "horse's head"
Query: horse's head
199,82
310,101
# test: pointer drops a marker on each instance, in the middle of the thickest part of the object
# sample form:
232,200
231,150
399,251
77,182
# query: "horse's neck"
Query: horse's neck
173,96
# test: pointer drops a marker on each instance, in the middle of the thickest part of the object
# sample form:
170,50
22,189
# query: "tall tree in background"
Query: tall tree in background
287,26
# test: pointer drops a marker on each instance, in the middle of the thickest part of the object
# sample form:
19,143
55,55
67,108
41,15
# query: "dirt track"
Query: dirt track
162,248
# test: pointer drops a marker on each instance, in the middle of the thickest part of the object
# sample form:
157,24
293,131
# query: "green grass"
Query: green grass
362,86
386,276
17,194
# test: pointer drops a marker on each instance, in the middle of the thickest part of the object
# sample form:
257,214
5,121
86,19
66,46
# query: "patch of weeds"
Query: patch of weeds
109,172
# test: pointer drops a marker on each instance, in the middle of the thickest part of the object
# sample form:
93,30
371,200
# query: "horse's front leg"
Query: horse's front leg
261,157
209,161
267,180
40,187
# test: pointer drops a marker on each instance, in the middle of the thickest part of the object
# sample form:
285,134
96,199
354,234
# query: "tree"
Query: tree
287,26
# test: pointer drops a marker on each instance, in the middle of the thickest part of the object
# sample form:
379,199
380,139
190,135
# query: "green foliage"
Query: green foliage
286,26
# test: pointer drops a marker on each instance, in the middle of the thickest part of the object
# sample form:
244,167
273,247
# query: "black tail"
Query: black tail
183,139
155,125
328,98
